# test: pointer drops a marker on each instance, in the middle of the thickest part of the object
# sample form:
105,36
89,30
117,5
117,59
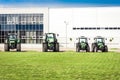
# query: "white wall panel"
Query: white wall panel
85,17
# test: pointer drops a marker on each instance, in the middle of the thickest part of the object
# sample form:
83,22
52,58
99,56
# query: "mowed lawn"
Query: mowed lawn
59,66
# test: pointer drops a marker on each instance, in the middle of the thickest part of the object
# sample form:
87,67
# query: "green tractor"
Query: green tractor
12,42
50,43
99,44
82,44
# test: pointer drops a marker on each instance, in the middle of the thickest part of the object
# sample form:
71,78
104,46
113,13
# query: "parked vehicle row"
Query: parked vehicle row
51,43
98,44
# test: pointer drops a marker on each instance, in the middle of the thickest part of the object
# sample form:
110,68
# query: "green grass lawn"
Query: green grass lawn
59,66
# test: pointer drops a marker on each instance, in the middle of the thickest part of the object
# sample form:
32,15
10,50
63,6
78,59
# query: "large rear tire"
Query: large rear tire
44,48
106,49
6,47
88,48
77,47
19,47
93,45
57,47
95,49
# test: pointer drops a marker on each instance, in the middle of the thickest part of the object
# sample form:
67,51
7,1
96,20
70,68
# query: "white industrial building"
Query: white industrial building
86,21
69,23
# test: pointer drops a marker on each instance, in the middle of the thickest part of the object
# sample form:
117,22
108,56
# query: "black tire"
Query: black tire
77,47
6,47
95,49
57,47
19,47
88,48
106,49
44,48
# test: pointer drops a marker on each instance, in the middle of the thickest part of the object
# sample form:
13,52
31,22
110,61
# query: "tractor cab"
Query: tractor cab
99,40
99,44
12,37
50,42
50,37
12,42
82,44
83,40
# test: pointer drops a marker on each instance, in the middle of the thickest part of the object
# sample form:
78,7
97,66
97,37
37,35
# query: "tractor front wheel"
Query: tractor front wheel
44,47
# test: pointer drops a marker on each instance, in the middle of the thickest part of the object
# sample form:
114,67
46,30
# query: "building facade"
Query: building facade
29,24
70,23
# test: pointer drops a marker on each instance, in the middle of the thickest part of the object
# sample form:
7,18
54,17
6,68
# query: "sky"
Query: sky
54,3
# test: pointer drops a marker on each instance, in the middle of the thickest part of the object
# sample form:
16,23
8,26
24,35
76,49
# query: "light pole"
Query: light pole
66,23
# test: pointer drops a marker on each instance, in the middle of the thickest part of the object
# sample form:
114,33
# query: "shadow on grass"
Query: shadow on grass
14,51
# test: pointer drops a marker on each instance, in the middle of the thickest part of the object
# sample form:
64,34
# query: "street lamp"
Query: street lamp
66,23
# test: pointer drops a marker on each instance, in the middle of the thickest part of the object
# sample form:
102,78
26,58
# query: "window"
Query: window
96,28
22,23
41,17
74,28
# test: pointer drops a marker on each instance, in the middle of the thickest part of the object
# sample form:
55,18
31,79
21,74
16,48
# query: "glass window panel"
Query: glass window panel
0,27
34,27
41,17
41,27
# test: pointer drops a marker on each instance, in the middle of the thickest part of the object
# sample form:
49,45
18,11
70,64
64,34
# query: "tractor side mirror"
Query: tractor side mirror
70,39
89,38
106,39
57,34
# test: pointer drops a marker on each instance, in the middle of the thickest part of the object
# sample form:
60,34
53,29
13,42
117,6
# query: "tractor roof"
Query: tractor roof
99,37
49,33
82,37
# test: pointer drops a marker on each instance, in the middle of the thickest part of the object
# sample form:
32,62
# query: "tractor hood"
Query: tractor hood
83,45
100,44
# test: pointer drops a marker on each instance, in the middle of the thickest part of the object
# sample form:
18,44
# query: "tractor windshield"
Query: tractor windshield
99,40
50,37
12,37
83,40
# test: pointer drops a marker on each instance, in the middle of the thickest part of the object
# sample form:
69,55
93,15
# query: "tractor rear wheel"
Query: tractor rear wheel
57,47
77,47
93,45
19,47
95,49
6,47
44,48
88,49
106,49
